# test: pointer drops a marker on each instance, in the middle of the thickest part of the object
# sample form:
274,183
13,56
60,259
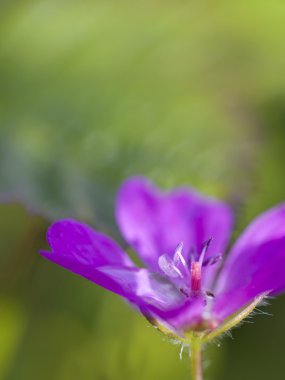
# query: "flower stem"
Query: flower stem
196,361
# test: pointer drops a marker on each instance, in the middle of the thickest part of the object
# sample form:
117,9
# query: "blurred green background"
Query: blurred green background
185,92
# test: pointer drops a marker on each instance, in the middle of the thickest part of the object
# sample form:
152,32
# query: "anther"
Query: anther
178,257
205,247
167,265
210,294
212,260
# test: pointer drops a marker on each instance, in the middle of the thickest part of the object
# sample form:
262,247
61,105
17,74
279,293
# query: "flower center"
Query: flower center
188,270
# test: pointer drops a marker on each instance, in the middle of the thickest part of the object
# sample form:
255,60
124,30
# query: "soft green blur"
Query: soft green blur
185,92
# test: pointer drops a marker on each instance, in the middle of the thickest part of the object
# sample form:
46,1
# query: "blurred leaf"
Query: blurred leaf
12,323
96,103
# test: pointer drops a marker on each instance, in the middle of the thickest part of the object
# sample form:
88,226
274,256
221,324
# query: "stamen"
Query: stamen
210,294
179,258
212,260
166,264
178,255
185,292
177,267
207,314
205,247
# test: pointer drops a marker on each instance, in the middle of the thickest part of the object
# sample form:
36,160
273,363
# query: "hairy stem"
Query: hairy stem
196,361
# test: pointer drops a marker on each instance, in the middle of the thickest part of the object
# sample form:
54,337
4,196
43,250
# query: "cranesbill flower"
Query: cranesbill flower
180,236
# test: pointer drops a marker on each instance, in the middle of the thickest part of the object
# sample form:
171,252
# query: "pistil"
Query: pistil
196,276
177,267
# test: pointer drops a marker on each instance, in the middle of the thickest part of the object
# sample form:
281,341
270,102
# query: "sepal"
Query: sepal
234,320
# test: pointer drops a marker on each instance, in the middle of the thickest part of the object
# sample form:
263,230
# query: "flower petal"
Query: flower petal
185,316
255,265
143,287
83,251
87,246
153,294
157,297
154,222
139,286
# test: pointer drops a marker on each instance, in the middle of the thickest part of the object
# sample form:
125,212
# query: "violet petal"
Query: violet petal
87,246
154,222
185,316
255,265
138,286
92,255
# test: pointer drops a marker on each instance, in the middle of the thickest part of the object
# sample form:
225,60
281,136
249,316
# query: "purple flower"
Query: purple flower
180,236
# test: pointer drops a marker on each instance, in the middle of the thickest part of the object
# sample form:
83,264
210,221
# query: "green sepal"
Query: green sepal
233,321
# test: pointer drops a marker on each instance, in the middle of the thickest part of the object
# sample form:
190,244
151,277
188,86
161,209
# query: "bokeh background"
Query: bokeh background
185,92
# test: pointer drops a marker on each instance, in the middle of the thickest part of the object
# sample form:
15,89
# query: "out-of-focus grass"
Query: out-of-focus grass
12,322
93,91
106,89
